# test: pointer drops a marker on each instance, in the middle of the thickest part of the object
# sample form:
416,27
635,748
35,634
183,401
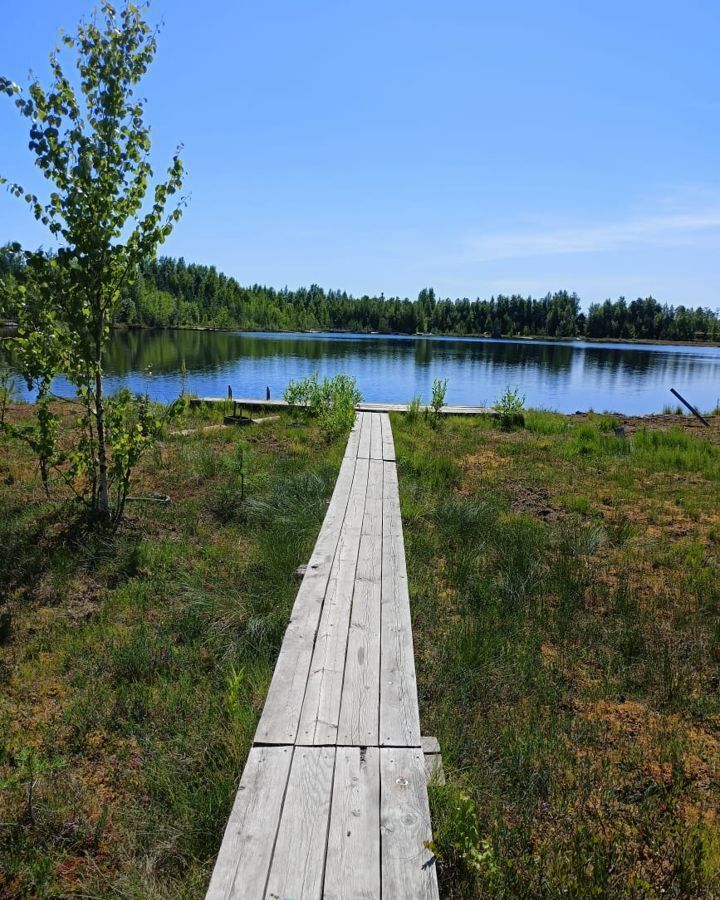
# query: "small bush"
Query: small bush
457,838
511,407
331,400
437,401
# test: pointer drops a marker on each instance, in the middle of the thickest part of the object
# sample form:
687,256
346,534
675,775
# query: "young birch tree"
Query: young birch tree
90,140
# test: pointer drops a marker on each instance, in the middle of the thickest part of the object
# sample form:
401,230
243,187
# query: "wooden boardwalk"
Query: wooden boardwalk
333,800
254,403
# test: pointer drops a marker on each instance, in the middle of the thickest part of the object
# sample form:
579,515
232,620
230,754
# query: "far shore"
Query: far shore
425,335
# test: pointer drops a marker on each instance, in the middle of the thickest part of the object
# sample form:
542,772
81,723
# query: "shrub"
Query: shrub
331,400
511,407
437,401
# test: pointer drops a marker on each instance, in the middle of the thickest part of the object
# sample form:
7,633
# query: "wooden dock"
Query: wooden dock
254,403
333,800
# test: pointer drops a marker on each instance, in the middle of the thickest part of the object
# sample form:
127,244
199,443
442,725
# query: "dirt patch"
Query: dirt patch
534,501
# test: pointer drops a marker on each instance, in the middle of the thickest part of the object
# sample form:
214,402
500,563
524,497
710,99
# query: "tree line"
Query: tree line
171,292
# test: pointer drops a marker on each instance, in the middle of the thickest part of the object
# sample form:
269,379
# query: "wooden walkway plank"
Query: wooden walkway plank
359,713
298,863
363,450
351,447
254,403
376,445
246,852
353,854
321,704
281,713
408,867
399,715
388,444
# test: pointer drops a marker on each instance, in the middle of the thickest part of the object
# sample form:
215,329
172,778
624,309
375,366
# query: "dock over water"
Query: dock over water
333,800
254,403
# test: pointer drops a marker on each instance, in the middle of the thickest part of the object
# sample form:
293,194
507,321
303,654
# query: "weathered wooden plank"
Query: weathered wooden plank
399,716
447,410
376,445
359,711
299,858
281,713
363,450
321,704
351,447
353,855
408,867
254,403
388,444
243,862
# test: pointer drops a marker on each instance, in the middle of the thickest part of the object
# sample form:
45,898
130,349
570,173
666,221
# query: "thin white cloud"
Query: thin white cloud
665,229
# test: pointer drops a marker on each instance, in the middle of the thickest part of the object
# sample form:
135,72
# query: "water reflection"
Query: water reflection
567,376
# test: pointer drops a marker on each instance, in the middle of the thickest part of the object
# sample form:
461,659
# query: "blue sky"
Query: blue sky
477,147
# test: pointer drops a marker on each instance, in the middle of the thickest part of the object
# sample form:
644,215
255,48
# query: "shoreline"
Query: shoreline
397,334
528,338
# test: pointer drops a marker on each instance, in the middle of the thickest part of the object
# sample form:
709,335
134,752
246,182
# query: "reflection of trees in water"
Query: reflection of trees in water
164,352
635,364
396,368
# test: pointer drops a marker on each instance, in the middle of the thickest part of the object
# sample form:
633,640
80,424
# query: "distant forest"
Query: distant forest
171,292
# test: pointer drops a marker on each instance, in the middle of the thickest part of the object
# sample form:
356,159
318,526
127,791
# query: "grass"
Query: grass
565,586
135,668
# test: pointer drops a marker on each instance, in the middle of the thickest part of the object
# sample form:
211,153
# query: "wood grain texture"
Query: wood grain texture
359,711
254,403
408,867
376,445
363,450
388,443
399,715
353,439
281,713
243,862
321,704
298,863
352,870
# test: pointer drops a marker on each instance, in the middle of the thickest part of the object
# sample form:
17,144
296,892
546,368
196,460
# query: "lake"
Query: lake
568,376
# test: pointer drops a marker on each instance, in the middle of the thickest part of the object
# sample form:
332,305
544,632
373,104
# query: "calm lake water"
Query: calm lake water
630,378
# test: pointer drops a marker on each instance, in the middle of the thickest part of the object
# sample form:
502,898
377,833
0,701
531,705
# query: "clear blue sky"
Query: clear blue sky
383,146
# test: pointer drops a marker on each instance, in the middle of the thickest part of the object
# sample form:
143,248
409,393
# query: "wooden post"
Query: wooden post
690,407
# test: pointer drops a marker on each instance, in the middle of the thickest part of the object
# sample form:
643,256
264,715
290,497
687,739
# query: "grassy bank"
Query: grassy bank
565,585
133,669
